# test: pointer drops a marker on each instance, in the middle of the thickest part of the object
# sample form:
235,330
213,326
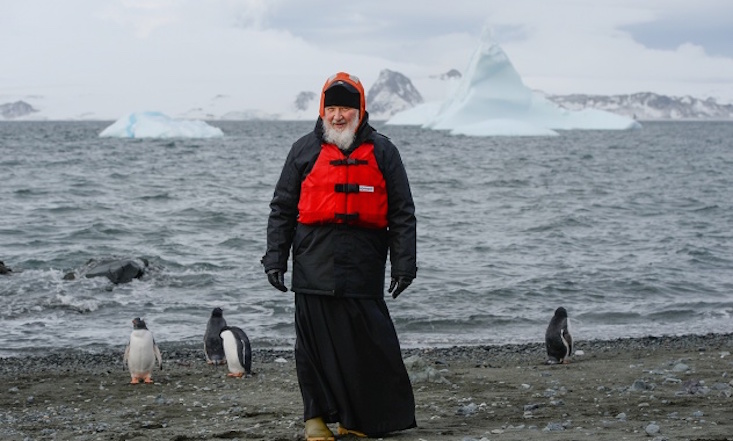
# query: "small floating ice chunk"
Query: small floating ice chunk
159,125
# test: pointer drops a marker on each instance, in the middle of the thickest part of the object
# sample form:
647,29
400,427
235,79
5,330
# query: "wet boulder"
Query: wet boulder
4,270
116,270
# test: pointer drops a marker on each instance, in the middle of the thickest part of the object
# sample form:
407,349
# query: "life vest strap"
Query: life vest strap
347,217
346,188
349,161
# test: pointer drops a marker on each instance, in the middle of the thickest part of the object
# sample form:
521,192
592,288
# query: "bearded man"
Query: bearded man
343,204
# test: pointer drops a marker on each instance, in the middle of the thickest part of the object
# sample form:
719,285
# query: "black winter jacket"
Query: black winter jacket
339,259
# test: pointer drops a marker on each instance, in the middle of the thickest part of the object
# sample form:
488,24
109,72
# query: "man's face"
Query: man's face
339,125
341,118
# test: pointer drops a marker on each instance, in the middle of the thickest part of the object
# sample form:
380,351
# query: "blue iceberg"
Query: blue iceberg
159,125
492,100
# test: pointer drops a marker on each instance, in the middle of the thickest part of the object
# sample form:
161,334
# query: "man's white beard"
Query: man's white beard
341,138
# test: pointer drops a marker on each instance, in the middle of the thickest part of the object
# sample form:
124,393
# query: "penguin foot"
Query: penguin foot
134,380
237,375
148,380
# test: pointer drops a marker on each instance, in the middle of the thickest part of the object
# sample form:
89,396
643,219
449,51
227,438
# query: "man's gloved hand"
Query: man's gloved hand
277,279
401,283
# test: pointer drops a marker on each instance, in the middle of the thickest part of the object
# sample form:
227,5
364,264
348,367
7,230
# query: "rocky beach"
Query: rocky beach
651,388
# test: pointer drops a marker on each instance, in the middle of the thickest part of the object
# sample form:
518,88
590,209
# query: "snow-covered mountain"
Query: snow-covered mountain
648,106
392,92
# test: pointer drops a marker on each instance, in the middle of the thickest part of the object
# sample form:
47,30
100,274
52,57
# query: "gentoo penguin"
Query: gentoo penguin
213,347
237,351
141,353
558,341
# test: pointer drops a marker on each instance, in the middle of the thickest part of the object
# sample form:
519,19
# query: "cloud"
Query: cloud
139,53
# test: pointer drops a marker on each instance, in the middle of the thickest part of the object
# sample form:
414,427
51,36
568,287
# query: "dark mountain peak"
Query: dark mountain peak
16,109
303,100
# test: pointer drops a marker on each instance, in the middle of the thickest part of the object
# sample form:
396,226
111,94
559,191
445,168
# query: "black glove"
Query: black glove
277,279
401,283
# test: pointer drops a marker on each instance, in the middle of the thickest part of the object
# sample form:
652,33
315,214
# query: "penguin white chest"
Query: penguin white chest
141,357
232,352
563,337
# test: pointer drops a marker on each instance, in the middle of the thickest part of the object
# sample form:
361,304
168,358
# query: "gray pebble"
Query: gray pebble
549,393
641,385
680,367
468,409
554,427
652,429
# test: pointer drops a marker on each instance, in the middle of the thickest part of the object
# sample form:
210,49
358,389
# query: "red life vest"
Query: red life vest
344,189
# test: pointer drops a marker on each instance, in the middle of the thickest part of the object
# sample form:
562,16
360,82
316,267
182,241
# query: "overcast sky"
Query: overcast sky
167,50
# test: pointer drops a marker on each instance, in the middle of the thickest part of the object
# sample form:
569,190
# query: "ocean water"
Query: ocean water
632,232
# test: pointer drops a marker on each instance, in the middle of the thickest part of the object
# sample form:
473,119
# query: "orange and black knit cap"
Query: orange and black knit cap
345,90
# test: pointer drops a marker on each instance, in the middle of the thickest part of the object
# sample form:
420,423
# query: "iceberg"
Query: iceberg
492,100
159,125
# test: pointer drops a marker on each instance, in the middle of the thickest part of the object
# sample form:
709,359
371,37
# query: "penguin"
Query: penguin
237,350
141,353
558,341
213,347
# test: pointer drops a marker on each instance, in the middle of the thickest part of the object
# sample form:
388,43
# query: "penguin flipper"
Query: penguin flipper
568,337
247,356
158,357
245,349
206,354
126,356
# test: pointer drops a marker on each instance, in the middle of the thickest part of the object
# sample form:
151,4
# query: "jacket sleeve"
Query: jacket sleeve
402,224
283,215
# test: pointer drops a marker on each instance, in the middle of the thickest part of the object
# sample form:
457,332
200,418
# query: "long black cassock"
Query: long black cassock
350,365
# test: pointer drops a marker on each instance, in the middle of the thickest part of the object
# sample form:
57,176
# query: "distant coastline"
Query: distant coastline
647,106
